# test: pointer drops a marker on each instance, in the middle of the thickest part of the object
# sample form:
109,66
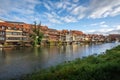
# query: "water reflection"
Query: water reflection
18,61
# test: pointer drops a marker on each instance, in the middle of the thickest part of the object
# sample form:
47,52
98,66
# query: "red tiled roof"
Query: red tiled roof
76,32
27,26
44,28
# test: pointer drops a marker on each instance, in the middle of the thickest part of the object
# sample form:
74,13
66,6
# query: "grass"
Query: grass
101,67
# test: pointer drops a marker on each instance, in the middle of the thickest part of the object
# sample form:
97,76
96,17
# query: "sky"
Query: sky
89,16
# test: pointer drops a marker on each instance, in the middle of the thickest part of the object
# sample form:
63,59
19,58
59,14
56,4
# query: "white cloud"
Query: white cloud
71,7
50,3
55,18
56,21
18,10
79,11
59,5
47,6
116,11
118,27
59,12
100,13
75,0
102,24
105,8
93,10
18,6
52,17
113,30
69,19
48,15
81,16
90,31
97,9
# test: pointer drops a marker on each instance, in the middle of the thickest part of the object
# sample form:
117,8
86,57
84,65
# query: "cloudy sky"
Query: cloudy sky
90,16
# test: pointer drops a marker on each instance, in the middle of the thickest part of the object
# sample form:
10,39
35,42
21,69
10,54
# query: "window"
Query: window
2,33
15,28
9,28
2,38
8,33
20,28
25,39
3,27
13,38
16,33
24,29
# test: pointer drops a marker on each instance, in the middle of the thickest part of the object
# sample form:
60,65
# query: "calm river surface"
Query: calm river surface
20,61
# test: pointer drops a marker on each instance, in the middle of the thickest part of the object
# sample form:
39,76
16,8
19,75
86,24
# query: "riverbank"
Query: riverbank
96,67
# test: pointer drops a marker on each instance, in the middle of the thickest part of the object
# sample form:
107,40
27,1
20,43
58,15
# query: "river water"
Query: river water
19,61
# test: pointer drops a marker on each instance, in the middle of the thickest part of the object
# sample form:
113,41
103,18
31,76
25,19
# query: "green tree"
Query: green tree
37,35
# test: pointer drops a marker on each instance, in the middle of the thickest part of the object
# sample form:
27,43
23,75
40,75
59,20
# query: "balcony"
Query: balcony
7,30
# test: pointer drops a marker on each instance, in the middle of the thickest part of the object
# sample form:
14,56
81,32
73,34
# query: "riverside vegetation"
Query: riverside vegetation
36,35
105,66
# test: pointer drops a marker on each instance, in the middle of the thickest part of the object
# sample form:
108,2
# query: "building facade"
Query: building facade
14,32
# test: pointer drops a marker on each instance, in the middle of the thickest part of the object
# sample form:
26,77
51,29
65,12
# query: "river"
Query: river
19,61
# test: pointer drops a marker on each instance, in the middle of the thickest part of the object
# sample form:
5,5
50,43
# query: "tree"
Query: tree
37,35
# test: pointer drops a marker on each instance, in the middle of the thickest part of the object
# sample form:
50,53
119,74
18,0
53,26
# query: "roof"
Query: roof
1,20
9,24
15,22
27,26
52,30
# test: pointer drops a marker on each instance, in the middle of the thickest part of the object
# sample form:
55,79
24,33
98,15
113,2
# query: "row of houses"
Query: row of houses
19,32
113,37
66,36
14,32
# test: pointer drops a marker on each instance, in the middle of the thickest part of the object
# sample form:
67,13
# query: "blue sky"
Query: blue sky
89,16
